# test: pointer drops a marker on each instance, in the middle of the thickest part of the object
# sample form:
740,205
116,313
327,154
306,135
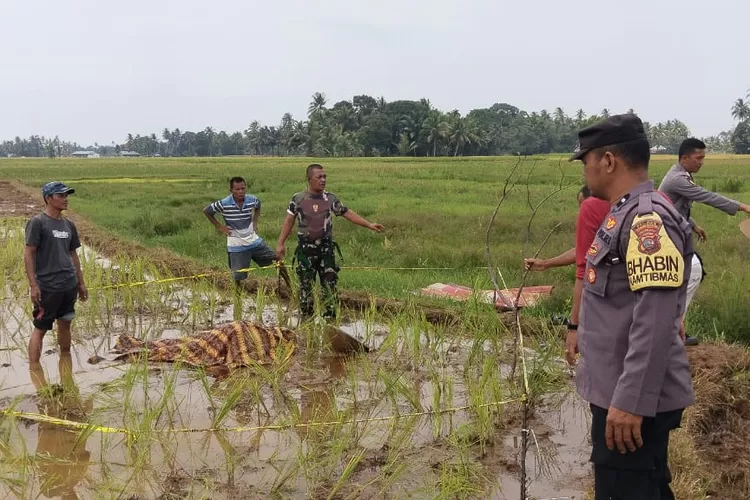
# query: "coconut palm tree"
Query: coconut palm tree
167,136
560,115
176,142
252,135
580,116
345,116
463,131
318,104
300,135
405,145
210,139
434,129
740,110
381,104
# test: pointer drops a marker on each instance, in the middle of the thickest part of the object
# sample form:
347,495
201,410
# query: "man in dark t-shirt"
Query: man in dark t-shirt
53,269
315,209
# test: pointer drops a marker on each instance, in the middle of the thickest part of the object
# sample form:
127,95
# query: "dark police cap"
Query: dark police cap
613,130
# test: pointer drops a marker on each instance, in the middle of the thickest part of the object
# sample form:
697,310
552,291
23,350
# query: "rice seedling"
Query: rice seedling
313,421
346,474
460,476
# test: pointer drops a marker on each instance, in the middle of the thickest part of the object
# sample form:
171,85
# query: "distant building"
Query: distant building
129,153
658,150
85,154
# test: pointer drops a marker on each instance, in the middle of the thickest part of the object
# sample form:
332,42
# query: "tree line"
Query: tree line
366,126
740,135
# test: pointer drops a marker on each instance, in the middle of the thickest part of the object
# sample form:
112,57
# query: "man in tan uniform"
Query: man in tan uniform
682,189
633,368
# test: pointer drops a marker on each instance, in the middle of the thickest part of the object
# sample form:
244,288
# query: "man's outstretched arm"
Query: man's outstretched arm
357,219
564,259
683,187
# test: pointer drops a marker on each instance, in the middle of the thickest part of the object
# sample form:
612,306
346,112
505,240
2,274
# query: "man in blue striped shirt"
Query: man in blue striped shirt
240,212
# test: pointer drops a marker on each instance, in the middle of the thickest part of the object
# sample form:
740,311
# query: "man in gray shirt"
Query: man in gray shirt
53,269
681,188
633,368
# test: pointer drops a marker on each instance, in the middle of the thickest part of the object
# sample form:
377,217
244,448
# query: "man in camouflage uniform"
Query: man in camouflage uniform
633,368
316,248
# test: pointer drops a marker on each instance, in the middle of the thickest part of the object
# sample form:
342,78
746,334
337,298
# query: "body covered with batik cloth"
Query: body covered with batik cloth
232,345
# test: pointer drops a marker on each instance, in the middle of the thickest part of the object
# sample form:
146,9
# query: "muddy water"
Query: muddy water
79,393
558,456
50,461
233,462
323,387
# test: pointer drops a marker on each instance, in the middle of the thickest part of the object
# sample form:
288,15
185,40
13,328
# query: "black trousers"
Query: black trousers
54,306
639,475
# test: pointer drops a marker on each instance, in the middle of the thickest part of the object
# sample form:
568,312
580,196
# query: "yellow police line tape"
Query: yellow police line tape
251,269
276,264
38,417
170,280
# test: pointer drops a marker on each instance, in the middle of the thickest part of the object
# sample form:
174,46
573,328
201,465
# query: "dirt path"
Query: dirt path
14,203
719,422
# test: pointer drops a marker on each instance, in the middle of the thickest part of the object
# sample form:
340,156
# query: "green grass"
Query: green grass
418,368
436,212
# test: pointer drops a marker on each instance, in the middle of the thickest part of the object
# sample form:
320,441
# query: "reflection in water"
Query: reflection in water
62,460
318,401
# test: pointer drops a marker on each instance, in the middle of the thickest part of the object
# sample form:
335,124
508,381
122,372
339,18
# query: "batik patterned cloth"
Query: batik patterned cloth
235,344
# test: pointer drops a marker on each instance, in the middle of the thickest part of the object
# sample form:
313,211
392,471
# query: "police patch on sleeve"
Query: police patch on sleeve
653,260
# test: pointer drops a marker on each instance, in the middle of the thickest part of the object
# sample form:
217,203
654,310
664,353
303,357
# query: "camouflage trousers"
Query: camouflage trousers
317,259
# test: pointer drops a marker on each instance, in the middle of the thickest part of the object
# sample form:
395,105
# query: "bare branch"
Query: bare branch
518,338
518,353
562,172
536,209
516,309
528,271
528,184
528,202
506,190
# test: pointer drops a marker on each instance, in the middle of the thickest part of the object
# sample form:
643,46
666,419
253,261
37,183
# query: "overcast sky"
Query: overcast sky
94,70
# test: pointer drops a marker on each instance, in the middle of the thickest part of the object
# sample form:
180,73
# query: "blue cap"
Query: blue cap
56,187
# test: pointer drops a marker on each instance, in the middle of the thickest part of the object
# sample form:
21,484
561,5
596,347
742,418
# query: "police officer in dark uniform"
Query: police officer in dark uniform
315,252
633,368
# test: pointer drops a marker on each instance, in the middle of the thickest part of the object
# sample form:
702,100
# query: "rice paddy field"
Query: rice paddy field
432,411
